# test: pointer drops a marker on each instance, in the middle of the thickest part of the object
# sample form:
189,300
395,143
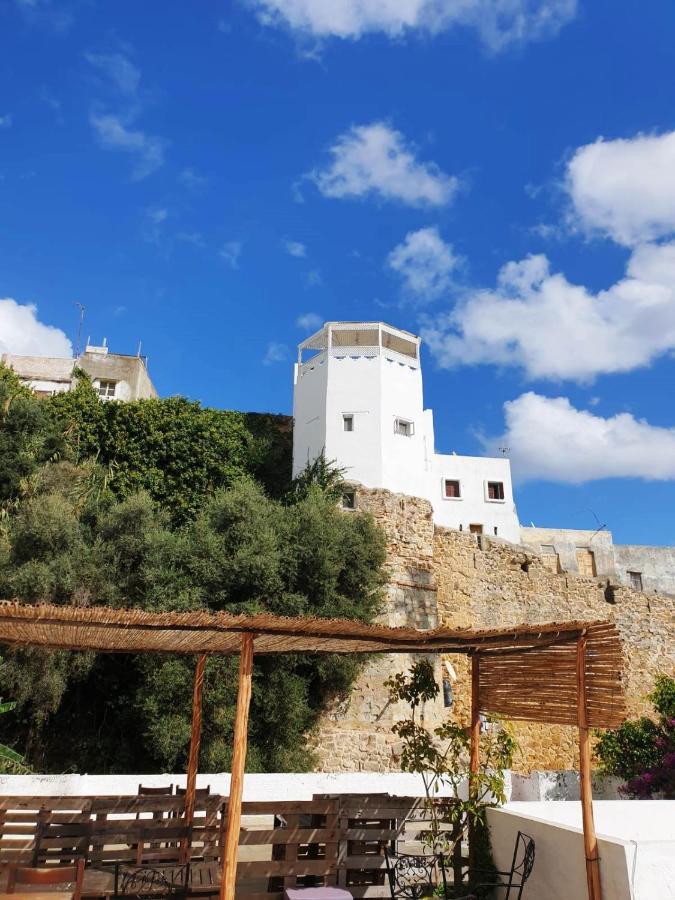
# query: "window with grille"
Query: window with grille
404,426
348,422
495,490
635,579
451,489
106,389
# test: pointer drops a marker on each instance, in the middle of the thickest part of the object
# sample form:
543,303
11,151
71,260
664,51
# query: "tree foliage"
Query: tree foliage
156,505
642,751
441,757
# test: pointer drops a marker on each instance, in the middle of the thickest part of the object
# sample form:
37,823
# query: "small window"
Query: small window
106,389
496,530
404,426
586,562
635,579
476,529
349,500
550,559
348,423
495,490
451,489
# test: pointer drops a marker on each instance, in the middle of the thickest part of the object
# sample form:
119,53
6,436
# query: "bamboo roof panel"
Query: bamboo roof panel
526,671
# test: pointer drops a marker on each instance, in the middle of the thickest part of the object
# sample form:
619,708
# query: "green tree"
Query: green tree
243,552
173,448
642,751
441,757
27,438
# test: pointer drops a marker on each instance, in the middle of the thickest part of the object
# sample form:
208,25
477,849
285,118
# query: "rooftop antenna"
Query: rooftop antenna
601,526
504,450
79,328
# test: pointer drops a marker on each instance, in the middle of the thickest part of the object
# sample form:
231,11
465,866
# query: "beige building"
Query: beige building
115,376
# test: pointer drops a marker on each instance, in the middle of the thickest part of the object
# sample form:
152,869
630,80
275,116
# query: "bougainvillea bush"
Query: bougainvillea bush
642,751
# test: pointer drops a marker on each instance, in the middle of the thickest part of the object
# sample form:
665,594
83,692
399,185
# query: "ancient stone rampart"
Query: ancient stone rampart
438,575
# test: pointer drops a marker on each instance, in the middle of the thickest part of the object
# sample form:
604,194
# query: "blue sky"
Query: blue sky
498,175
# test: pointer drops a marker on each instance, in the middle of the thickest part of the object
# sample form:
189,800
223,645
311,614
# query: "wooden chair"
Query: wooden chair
66,842
200,793
51,875
164,790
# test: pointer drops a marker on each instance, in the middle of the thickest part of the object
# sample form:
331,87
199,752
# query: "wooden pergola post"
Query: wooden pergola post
474,757
195,739
233,823
590,839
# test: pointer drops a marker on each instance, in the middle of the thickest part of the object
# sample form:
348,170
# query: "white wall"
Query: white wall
636,847
309,412
473,473
284,786
403,456
355,388
376,386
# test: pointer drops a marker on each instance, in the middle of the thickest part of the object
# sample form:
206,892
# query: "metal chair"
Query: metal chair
521,869
413,876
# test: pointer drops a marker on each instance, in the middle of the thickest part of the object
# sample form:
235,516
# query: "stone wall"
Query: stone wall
460,579
355,734
497,584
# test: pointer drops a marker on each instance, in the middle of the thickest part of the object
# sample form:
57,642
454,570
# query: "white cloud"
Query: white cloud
295,248
276,353
375,159
6,120
625,188
424,261
23,334
114,133
313,278
551,439
154,219
231,253
498,22
310,321
118,69
540,322
191,179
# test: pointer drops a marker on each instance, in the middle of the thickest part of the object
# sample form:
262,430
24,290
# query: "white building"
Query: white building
358,398
115,376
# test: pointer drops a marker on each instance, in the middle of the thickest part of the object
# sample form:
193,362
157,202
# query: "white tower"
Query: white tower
358,397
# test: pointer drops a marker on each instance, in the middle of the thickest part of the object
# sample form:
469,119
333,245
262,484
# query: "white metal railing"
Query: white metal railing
356,352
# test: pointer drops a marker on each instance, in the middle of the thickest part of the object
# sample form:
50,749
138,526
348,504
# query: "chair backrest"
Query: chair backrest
49,875
413,876
160,841
164,790
200,792
63,841
523,862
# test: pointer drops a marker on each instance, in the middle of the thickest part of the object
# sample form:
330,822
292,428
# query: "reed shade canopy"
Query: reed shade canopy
568,673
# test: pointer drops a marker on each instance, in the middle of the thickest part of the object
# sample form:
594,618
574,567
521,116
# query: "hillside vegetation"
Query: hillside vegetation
165,505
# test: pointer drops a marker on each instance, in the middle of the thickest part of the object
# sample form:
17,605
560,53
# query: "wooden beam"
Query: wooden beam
233,823
195,739
590,839
474,758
